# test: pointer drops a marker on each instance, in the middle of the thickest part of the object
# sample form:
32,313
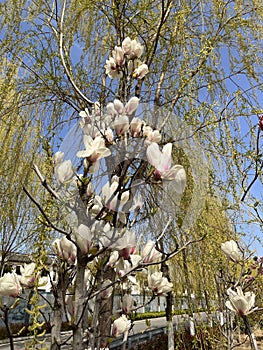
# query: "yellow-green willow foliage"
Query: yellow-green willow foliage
19,143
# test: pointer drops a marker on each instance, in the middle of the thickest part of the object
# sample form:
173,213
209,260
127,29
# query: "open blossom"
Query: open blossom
121,326
231,250
112,69
95,149
161,160
10,285
159,284
151,135
150,253
28,275
239,302
125,244
132,48
65,249
110,198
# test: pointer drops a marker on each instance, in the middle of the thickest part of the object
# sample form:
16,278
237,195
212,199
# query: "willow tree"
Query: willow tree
19,135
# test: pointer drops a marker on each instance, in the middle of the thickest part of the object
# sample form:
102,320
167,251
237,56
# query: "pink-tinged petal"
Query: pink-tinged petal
153,154
118,105
126,45
141,71
132,105
178,176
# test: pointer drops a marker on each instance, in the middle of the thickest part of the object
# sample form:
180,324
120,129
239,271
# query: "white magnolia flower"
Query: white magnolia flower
136,127
112,69
28,275
121,125
63,170
141,71
125,244
149,253
121,326
231,250
151,135
118,56
127,303
110,198
118,106
65,249
58,157
10,285
95,150
159,284
106,293
132,48
162,160
114,257
242,304
83,237
132,105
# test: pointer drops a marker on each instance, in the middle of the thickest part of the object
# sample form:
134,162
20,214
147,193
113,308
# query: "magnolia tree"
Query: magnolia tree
123,165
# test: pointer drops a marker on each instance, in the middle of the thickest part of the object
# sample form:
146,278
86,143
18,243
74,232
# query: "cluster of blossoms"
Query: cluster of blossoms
126,56
12,284
103,131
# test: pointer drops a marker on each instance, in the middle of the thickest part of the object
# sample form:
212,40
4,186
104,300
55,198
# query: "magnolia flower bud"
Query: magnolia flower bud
113,258
121,326
83,238
150,254
64,171
127,303
141,71
9,285
65,249
132,105
106,293
58,157
126,45
118,105
28,278
121,125
231,250
118,55
136,127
